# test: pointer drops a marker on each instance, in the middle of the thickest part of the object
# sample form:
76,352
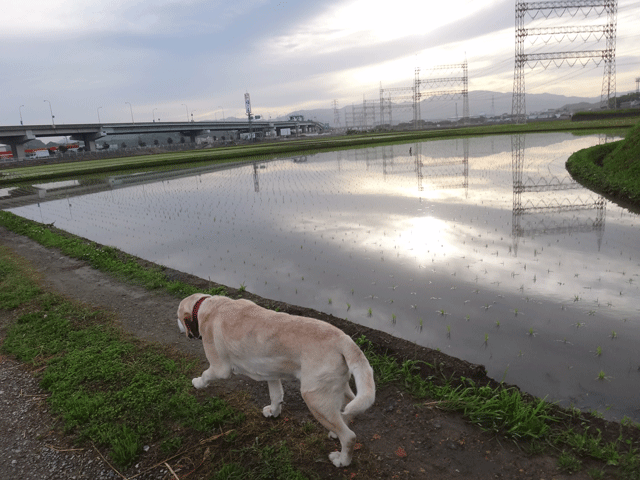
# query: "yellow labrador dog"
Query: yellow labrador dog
243,338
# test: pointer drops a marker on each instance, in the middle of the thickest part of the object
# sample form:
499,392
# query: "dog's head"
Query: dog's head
186,311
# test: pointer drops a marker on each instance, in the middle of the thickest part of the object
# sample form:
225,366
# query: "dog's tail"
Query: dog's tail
363,374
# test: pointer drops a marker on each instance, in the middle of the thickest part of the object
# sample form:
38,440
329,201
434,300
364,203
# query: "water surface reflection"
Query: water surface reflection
484,248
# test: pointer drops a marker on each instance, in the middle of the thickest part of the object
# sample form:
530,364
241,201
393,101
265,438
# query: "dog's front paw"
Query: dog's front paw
198,382
336,458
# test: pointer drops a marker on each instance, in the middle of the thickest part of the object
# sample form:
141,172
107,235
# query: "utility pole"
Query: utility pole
131,109
247,105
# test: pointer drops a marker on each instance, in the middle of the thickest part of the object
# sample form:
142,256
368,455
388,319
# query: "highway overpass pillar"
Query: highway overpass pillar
17,150
89,144
17,144
89,140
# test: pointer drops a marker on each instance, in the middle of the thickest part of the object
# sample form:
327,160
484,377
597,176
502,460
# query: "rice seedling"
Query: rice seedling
613,334
330,301
531,332
369,312
497,323
348,307
393,318
602,376
598,351
486,338
627,422
448,331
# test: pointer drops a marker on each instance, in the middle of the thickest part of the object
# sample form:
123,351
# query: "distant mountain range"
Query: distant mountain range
481,103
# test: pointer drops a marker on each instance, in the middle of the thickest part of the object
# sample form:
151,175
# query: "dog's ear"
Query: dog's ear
183,315
181,324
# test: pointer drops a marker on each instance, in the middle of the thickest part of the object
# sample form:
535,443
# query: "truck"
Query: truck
36,154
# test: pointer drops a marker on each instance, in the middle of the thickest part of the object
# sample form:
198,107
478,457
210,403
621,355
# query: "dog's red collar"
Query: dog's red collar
192,323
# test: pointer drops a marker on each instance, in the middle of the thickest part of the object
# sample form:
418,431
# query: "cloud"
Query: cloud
77,18
358,24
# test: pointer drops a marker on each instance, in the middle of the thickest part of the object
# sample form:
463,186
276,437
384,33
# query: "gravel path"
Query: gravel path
31,447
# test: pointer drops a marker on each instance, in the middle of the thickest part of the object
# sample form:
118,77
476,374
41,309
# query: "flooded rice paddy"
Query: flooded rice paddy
483,248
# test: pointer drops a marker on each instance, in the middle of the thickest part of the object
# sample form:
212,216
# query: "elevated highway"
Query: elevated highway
16,136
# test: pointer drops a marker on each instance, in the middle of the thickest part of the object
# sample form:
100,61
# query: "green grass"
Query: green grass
106,259
567,463
611,169
498,409
16,287
272,457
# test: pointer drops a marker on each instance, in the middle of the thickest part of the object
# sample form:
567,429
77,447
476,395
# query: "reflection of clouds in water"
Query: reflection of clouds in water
367,199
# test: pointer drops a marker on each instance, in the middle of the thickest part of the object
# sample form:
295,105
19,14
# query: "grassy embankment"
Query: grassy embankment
611,169
93,373
268,150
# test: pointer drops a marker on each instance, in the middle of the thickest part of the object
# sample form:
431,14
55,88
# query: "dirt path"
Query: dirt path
408,439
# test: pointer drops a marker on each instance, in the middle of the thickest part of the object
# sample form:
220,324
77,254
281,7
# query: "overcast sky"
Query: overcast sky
170,59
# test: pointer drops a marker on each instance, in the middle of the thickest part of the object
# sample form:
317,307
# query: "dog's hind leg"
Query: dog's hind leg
327,411
348,396
276,393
